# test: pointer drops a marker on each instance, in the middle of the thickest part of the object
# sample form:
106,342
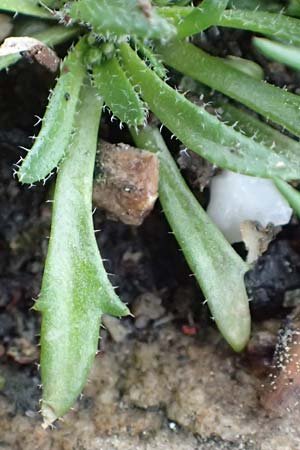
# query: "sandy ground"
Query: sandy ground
168,391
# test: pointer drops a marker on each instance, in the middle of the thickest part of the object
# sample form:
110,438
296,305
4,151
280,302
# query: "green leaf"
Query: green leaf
259,131
149,56
246,66
216,266
118,93
202,132
275,104
271,24
291,194
75,289
277,25
52,141
202,17
27,7
285,54
121,17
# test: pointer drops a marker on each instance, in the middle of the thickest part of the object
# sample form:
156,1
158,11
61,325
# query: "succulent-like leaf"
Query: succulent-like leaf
276,51
75,289
149,56
277,25
121,17
272,102
202,132
118,93
216,266
202,17
263,22
53,139
291,194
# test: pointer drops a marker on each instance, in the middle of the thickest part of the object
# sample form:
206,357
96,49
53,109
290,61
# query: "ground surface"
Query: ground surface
166,380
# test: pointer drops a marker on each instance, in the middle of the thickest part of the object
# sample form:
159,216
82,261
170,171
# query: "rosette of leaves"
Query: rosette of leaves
121,57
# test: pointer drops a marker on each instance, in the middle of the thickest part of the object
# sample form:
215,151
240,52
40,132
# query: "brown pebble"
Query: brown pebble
44,56
126,183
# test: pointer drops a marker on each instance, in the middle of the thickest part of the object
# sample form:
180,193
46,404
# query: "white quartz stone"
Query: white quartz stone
235,198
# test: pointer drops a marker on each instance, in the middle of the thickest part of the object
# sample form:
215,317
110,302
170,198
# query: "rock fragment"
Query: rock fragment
126,182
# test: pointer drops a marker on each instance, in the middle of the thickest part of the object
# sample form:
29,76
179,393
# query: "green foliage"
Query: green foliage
285,54
119,17
118,93
208,13
275,104
28,7
75,289
53,139
118,63
216,266
202,132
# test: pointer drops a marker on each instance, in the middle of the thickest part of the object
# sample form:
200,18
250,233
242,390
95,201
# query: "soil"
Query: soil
164,380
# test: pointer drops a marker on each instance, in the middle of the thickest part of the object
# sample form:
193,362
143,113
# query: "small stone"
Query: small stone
32,49
236,198
126,182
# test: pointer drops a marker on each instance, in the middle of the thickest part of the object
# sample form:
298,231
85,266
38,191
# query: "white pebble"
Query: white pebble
235,198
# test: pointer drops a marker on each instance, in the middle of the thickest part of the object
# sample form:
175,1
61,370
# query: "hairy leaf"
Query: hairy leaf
52,141
75,289
121,17
275,104
202,17
28,7
216,266
277,25
118,93
202,132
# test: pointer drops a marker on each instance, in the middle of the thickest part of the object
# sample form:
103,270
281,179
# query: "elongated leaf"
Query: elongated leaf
149,56
285,54
216,266
271,24
246,66
118,93
121,17
206,15
277,25
275,104
256,129
52,141
202,132
75,289
28,7
291,194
